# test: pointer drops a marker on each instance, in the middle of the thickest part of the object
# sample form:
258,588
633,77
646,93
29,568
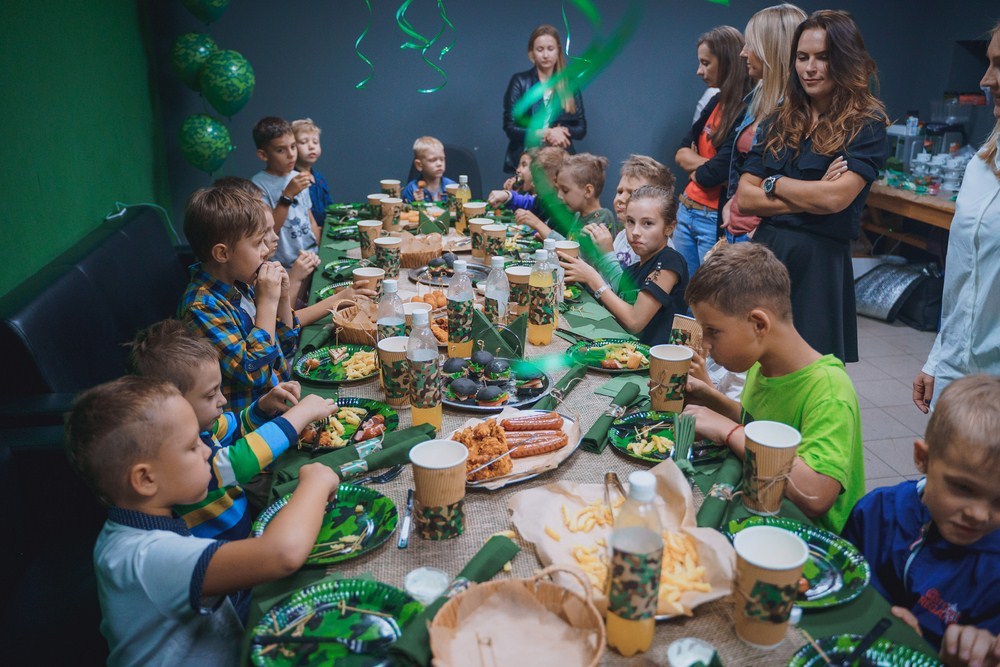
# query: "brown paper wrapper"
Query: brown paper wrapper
764,475
669,380
539,508
762,602
394,373
686,331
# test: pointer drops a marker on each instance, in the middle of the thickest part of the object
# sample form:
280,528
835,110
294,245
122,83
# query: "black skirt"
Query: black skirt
823,306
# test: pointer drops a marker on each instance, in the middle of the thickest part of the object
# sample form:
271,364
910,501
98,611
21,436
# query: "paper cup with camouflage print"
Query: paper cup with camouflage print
767,462
476,234
518,277
391,208
395,371
390,187
439,488
368,231
668,372
387,250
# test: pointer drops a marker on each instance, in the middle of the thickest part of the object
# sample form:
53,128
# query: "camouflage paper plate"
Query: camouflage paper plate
363,618
358,521
331,289
624,430
591,353
372,408
327,372
339,265
882,654
343,233
836,570
572,293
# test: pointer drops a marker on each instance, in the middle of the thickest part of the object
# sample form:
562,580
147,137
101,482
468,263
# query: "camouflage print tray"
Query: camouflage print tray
836,571
358,521
882,654
354,621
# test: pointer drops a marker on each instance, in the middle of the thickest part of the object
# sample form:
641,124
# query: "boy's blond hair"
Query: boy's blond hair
111,428
424,144
968,411
305,125
170,350
585,169
550,159
736,278
649,170
224,215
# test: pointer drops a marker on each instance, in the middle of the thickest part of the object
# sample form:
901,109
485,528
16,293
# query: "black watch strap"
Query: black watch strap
286,200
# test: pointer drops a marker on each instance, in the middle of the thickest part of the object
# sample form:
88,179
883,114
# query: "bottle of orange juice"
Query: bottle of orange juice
541,304
463,195
636,550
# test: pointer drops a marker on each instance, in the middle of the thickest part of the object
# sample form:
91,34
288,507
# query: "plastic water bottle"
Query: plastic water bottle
463,195
541,304
460,300
558,273
497,293
636,547
389,319
425,374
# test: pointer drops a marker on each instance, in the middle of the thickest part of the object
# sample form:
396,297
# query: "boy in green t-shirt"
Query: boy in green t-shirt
741,297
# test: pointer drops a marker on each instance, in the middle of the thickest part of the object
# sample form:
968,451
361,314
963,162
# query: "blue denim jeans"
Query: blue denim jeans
740,238
695,235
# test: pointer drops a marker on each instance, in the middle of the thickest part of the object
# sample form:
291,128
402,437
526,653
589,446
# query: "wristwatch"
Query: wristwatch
286,200
768,185
601,290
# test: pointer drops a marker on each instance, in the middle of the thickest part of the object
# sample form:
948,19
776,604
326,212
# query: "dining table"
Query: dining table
487,513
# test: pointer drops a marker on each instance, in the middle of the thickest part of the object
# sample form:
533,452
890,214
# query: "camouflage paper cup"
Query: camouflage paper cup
767,462
668,372
686,331
391,208
476,234
387,250
439,488
518,277
411,307
395,372
372,275
769,563
368,231
571,248
375,203
494,237
390,187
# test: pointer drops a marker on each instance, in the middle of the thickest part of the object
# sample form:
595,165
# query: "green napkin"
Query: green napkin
429,225
570,380
413,648
493,342
614,385
343,245
286,468
713,509
597,437
587,310
606,328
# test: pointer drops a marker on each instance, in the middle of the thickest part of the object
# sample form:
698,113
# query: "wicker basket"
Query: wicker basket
552,596
414,260
346,329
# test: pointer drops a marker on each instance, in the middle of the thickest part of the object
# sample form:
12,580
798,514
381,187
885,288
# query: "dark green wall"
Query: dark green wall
80,126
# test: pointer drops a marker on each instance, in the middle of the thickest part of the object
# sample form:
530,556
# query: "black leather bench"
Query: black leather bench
63,330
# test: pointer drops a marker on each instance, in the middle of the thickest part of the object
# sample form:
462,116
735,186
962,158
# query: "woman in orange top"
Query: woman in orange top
704,154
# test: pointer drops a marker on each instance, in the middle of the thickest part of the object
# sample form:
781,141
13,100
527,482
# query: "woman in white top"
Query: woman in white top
969,340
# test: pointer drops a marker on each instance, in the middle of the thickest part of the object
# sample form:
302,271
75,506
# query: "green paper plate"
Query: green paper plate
625,430
882,654
338,265
327,373
320,604
373,408
836,570
331,289
343,233
373,525
588,352
572,294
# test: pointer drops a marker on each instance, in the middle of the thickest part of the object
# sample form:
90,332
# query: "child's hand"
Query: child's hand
286,283
509,183
299,182
357,290
969,645
498,197
317,473
315,407
699,371
836,169
278,399
578,271
601,236
269,280
523,216
906,616
710,424
303,266
726,213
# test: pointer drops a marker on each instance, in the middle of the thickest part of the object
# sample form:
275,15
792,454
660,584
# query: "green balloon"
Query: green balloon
227,81
206,10
188,56
204,142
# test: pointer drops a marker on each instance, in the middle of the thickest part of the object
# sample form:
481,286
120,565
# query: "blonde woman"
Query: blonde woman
969,340
767,51
570,124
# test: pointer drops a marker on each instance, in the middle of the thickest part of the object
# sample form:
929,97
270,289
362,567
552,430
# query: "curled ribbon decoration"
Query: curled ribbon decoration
420,43
595,18
357,49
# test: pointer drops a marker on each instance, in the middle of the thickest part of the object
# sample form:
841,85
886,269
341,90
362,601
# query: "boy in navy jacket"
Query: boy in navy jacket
934,544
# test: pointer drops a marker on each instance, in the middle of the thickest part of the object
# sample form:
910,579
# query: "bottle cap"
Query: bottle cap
463,179
540,256
641,486
390,286
549,244
461,266
420,320
495,263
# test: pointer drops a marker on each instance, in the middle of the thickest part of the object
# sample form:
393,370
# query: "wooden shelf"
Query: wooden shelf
910,239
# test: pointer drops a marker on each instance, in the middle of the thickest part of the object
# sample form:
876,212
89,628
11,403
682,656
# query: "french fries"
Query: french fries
359,365
593,515
655,444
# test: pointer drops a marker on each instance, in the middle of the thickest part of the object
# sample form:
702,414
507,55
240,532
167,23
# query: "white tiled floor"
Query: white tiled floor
891,355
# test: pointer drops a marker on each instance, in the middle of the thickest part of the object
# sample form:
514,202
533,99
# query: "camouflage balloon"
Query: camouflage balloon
227,81
206,10
188,56
204,142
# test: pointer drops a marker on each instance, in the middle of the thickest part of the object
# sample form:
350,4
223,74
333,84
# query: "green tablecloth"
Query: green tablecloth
584,318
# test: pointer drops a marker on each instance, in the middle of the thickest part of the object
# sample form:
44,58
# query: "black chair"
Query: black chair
458,160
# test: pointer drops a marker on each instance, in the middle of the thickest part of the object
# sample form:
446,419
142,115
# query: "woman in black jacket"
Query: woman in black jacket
545,52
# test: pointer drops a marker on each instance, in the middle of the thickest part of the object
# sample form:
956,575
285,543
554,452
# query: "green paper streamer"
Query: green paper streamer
357,49
422,44
447,24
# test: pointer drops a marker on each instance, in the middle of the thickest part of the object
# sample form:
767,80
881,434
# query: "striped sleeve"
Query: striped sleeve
248,456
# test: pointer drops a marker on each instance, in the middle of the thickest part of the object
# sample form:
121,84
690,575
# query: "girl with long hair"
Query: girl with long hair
570,124
809,208
704,152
